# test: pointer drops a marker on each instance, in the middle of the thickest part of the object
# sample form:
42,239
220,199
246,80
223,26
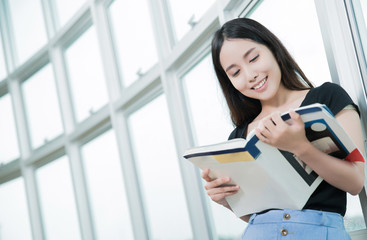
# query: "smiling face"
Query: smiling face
251,68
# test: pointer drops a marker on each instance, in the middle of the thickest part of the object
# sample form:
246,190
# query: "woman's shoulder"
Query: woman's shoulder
332,95
328,85
328,88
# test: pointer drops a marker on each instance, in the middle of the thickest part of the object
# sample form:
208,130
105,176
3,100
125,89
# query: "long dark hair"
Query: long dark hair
242,108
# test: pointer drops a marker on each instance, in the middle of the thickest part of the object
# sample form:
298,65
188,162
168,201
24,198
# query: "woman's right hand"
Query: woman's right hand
217,189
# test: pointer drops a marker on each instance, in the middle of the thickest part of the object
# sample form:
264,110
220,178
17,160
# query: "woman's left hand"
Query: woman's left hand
288,136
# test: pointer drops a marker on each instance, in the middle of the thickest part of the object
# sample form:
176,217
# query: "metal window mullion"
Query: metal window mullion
231,9
63,89
33,201
7,35
142,92
80,190
195,198
25,151
128,168
224,12
20,118
72,149
110,67
49,16
130,176
201,34
162,27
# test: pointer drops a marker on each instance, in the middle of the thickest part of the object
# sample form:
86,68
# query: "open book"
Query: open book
268,177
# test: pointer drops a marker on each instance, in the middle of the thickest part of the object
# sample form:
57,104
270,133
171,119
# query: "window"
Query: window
360,15
206,105
353,219
66,9
28,27
86,76
42,106
2,61
294,22
185,14
158,172
8,136
132,29
106,189
57,200
211,124
14,219
364,10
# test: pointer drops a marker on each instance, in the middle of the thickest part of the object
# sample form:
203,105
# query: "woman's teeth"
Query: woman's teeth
260,84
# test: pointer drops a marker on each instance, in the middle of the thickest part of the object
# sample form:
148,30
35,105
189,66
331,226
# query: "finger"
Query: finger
296,119
217,183
270,125
277,119
260,136
205,175
216,197
222,190
263,128
295,116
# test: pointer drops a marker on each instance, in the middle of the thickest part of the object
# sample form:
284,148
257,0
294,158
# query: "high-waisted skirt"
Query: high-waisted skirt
296,224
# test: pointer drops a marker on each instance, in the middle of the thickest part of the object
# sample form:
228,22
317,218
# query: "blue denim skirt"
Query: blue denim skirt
296,224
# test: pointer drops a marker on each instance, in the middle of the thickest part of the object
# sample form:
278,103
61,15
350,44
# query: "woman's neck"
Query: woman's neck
283,101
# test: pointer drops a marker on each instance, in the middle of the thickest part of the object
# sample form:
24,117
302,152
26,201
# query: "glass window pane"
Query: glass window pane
301,36
207,106
360,12
14,218
86,76
354,219
66,9
107,194
136,50
8,136
42,106
364,10
2,61
57,200
184,12
28,27
208,110
159,173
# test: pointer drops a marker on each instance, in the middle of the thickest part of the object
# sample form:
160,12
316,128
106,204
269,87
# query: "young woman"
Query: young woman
260,80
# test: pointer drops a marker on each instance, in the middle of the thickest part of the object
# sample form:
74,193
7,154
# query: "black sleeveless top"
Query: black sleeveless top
325,197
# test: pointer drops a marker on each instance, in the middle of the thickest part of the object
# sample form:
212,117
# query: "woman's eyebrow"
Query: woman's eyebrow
248,52
244,56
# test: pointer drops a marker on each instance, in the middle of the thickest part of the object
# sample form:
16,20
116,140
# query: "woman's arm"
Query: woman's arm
345,175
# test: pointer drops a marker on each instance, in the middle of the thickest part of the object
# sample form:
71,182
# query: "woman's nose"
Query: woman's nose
251,76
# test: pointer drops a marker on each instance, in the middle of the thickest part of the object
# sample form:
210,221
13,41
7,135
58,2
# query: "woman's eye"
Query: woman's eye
253,59
235,73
